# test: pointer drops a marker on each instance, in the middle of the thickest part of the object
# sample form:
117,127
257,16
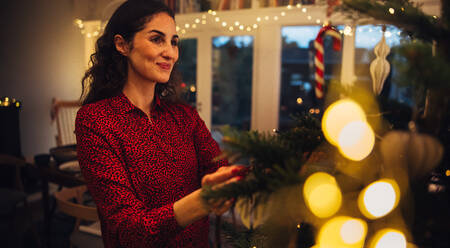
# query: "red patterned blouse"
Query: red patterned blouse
136,169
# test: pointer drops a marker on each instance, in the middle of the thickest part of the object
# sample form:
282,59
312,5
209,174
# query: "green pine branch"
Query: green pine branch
275,159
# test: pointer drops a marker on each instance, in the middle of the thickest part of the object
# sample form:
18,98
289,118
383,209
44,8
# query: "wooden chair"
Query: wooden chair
80,237
64,113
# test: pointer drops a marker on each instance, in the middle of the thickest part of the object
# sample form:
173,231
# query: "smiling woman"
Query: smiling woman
145,155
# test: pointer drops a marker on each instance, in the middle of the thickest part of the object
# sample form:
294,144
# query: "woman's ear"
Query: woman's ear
121,45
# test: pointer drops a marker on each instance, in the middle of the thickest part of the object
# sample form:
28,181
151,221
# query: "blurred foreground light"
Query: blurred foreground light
379,198
388,238
342,232
356,140
338,115
322,194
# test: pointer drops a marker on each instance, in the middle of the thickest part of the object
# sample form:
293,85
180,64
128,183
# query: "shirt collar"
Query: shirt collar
123,105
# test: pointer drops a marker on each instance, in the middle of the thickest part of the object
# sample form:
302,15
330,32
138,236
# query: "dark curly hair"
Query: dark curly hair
107,74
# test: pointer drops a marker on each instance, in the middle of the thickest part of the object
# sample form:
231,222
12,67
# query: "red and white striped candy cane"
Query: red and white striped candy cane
318,59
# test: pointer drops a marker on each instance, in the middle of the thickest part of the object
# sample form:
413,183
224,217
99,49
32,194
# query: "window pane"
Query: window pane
232,64
187,66
297,71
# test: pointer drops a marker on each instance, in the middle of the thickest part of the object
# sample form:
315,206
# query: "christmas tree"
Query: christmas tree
351,178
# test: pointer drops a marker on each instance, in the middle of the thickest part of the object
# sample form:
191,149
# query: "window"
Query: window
297,71
232,63
187,66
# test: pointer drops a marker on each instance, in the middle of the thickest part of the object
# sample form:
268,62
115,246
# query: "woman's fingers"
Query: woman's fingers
223,174
222,207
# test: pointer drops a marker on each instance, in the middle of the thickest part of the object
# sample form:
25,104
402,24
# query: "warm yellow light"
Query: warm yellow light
249,29
255,25
231,28
299,100
391,11
203,21
309,17
197,20
258,19
348,30
379,198
388,238
338,115
447,173
217,19
192,88
186,25
353,231
224,24
266,18
304,10
342,232
183,31
283,13
322,194
241,27
236,23
356,140
275,18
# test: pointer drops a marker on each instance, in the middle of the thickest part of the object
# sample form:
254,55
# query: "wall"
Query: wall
42,57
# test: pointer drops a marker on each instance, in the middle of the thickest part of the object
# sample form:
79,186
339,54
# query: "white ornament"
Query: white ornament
379,68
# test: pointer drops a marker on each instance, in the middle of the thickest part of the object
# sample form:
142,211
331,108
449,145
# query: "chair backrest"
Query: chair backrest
64,113
64,201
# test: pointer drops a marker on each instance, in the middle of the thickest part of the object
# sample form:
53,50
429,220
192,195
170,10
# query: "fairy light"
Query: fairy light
217,19
194,25
183,31
348,31
186,25
255,26
213,13
197,20
224,24
177,28
231,28
299,100
298,5
249,29
204,16
343,232
318,21
275,18
447,173
391,11
236,23
304,10
266,18
379,198
192,88
289,6
258,19
309,17
203,21
387,238
322,194
209,11
241,27
283,13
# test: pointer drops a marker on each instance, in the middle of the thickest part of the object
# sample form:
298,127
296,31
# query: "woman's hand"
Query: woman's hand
224,175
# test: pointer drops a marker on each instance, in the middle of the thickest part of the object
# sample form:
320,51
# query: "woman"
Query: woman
143,155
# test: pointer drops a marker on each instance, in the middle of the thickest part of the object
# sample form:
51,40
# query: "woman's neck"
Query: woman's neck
140,93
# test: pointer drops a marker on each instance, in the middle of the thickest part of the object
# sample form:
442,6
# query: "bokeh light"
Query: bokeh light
322,194
338,115
389,238
356,140
379,198
342,232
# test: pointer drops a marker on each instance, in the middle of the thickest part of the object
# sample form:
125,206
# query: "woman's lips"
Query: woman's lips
164,66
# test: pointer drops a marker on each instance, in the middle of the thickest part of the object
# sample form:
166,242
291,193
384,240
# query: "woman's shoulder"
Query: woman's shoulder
94,112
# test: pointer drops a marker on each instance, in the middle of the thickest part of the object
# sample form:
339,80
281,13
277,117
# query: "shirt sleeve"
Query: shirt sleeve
128,222
206,147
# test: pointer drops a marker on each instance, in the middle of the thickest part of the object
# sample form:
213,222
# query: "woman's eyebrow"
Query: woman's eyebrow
161,33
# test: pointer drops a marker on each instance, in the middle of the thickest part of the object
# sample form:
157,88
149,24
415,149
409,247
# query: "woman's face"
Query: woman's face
154,50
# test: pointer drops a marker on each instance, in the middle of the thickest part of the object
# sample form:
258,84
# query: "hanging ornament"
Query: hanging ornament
318,59
420,152
380,68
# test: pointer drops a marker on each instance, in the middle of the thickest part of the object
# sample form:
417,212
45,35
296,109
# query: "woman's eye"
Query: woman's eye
157,39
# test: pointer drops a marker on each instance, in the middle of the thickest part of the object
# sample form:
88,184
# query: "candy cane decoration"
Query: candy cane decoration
318,59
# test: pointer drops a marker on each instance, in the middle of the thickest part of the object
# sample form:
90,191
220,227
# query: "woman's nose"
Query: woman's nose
170,52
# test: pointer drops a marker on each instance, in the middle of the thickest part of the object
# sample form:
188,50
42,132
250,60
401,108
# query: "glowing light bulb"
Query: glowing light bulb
194,25
186,25
177,28
236,23
356,140
217,19
266,18
283,13
203,21
289,7
353,231
387,238
304,10
318,21
348,30
275,18
379,198
183,31
309,17
241,27
255,26
391,11
322,194
231,28
249,29
197,20
192,88
338,115
258,19
299,100
342,232
224,24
